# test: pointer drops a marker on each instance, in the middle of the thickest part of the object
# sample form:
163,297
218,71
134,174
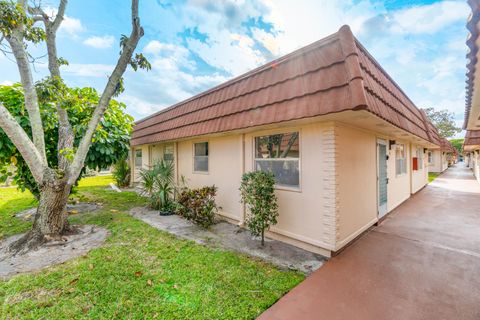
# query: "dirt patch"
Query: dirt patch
232,237
52,253
82,207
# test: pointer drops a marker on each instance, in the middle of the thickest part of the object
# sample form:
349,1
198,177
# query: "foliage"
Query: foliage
13,15
198,205
110,142
121,173
157,183
458,144
258,194
444,121
432,176
140,273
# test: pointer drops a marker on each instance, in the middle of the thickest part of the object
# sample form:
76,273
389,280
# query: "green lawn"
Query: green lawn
432,176
140,273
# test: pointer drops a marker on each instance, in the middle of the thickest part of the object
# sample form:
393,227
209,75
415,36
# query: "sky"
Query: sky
194,45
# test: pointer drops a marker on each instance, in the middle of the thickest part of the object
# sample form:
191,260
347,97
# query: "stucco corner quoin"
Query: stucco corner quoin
330,195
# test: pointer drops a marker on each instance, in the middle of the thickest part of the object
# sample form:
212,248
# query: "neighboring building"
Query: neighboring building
346,144
439,159
471,145
472,157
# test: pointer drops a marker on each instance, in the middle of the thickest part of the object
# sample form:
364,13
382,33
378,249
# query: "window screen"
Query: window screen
420,158
279,154
138,158
400,163
168,153
200,158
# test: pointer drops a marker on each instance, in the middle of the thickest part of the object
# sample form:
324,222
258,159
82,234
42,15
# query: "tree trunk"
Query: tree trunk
50,221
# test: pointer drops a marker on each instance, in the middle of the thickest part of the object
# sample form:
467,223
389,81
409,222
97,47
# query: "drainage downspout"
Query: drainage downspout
244,209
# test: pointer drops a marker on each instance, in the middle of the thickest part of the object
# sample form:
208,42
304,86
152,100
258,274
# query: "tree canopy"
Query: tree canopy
444,121
458,144
110,141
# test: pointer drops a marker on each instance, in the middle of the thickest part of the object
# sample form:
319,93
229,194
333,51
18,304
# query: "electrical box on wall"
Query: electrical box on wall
415,163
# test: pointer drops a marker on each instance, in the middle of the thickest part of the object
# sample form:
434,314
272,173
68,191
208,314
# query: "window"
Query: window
420,158
200,157
279,154
400,163
168,152
430,157
138,158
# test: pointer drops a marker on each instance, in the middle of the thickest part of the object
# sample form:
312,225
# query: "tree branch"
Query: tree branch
110,88
65,132
31,99
23,143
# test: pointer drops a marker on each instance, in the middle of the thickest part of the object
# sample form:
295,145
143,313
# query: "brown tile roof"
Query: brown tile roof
334,74
473,20
446,146
472,138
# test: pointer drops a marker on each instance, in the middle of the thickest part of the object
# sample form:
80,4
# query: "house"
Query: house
472,148
345,143
471,145
440,158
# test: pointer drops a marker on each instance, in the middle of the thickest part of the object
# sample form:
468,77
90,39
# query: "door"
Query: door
382,179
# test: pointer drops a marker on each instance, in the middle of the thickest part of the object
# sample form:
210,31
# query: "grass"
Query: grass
140,273
432,176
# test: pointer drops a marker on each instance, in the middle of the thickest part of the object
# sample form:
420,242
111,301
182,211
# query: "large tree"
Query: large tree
110,141
458,144
444,121
21,25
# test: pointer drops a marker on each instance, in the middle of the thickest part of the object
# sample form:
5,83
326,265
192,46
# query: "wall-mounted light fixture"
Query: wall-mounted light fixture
390,144
425,150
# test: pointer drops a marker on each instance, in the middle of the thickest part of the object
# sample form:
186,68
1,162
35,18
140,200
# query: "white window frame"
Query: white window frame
164,152
402,162
255,159
141,158
195,156
420,158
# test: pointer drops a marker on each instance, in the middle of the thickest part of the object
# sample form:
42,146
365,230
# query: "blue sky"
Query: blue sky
194,45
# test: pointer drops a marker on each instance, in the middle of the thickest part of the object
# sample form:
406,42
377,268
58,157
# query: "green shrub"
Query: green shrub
258,194
157,183
121,173
198,205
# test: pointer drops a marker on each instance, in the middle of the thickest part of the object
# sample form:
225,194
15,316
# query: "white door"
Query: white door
382,178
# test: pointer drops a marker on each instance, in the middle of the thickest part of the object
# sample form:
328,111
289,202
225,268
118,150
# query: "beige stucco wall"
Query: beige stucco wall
357,182
337,197
225,171
398,185
301,214
475,164
156,153
419,177
145,161
439,163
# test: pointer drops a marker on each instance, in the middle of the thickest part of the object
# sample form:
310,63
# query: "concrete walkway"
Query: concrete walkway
422,262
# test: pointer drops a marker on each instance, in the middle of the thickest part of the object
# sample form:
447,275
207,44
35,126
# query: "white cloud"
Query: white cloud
69,25
314,20
173,78
231,52
139,106
88,70
177,55
429,18
6,83
100,42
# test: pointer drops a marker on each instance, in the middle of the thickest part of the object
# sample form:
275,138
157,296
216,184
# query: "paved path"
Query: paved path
422,262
